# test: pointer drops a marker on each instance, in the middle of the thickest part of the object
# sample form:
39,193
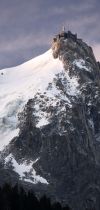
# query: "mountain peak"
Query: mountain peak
73,52
66,41
50,123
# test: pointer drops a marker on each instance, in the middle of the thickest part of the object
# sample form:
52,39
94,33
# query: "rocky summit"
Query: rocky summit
50,124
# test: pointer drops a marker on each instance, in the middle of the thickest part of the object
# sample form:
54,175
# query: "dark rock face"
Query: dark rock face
68,146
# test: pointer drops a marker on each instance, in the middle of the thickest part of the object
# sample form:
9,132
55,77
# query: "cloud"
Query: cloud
24,42
96,49
27,27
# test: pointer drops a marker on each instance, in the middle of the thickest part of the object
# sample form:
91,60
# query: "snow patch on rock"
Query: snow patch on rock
81,64
25,170
58,92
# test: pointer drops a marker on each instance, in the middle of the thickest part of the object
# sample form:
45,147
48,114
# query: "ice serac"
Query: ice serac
55,100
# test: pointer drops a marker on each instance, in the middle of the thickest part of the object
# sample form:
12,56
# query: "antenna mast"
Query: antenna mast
63,29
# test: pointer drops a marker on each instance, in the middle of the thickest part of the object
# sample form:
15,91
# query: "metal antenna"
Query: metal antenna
63,29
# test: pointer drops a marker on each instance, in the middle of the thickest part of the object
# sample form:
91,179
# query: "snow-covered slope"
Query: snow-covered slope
17,85
21,83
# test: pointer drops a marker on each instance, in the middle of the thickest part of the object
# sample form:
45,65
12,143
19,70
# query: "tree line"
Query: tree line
15,198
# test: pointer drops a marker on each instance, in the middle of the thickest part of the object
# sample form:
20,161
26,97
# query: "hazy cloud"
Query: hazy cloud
27,27
96,49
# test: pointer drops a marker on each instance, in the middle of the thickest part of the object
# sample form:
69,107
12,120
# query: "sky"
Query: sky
28,26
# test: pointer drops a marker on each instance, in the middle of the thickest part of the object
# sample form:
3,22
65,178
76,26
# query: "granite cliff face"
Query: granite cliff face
57,150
